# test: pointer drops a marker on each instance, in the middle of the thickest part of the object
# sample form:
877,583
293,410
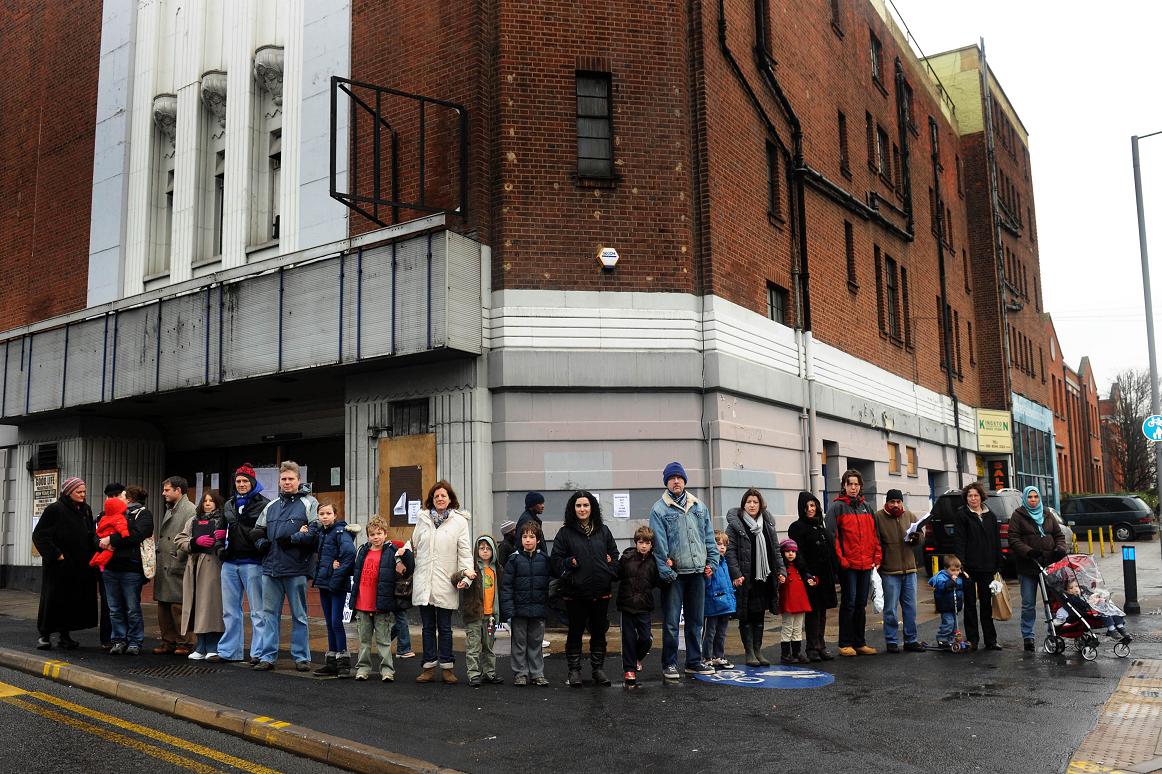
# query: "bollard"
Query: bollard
935,564
1112,540
1101,542
1130,578
1074,543
1089,539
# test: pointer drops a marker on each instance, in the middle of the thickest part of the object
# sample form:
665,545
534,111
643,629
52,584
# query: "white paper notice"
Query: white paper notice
335,476
413,511
214,481
621,505
919,524
268,477
400,505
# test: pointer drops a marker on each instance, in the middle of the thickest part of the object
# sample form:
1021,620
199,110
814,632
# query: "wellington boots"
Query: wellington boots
785,656
747,645
597,661
756,635
343,664
574,661
328,669
797,653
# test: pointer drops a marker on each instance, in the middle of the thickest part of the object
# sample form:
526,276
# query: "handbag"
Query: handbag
1002,610
403,592
148,557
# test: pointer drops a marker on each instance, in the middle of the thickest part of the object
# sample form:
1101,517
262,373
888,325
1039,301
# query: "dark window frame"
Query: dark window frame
849,255
844,148
876,57
585,172
778,298
892,297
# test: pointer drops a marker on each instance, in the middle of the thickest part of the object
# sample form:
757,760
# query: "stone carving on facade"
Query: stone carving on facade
268,72
214,95
165,116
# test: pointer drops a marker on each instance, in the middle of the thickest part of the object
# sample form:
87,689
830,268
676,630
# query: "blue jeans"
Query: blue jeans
207,643
240,578
437,618
714,636
123,590
1029,585
854,586
294,590
689,592
899,591
332,603
947,627
401,632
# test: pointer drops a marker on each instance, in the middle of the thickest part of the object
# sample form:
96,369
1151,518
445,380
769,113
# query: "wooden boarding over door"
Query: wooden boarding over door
406,464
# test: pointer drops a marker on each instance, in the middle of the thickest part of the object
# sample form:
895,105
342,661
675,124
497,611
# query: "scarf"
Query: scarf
680,499
439,517
586,526
1037,515
762,568
895,510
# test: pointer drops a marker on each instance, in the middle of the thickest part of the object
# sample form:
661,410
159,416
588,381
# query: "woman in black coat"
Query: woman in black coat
751,529
124,576
977,543
817,549
585,559
66,539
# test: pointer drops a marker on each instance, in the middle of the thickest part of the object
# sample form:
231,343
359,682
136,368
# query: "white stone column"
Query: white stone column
188,60
239,192
137,230
292,20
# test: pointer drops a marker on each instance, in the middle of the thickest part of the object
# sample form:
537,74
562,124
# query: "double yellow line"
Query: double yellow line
11,695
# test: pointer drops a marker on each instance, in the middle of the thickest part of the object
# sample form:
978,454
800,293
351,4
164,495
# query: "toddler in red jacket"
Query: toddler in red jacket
112,522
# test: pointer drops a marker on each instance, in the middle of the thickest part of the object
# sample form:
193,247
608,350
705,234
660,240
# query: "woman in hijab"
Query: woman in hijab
1036,539
66,538
756,569
817,549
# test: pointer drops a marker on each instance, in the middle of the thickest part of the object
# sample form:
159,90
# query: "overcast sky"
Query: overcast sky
1083,77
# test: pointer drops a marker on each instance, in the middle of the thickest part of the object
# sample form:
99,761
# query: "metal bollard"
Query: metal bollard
1089,539
1101,542
1130,579
1112,539
935,564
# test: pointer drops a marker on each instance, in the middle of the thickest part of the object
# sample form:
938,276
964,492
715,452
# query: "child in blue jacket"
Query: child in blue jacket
333,571
948,591
718,608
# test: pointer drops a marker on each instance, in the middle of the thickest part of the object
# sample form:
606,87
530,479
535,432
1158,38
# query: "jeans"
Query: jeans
528,658
401,632
1029,585
123,590
437,624
294,590
479,640
687,591
977,594
240,578
374,627
854,586
947,627
714,636
332,603
899,591
636,639
591,614
106,625
207,643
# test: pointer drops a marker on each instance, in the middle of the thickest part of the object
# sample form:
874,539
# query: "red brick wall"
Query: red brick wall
48,100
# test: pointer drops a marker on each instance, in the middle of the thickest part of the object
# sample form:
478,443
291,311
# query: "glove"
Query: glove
1058,555
219,534
1034,554
284,541
204,541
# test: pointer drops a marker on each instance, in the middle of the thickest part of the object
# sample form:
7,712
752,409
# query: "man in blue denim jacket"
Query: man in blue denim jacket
686,555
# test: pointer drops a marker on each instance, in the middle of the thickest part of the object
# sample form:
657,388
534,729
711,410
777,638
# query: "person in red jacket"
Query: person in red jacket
112,522
857,546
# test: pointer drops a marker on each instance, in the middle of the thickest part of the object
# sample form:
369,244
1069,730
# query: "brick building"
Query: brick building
1112,445
1073,397
808,273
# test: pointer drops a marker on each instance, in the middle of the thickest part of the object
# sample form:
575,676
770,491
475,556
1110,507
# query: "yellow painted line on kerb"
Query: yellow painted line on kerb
271,722
52,668
173,741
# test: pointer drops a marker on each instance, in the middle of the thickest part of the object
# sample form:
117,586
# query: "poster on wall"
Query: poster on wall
45,491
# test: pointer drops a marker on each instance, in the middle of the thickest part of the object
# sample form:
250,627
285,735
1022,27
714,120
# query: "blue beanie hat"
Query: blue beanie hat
674,469
533,498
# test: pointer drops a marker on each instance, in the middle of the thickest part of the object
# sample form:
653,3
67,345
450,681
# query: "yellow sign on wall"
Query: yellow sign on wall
994,431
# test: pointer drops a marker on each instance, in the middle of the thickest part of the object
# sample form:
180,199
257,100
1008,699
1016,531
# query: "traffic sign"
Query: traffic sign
1152,427
770,677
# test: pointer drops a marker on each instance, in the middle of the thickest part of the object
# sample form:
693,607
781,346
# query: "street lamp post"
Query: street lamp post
1149,303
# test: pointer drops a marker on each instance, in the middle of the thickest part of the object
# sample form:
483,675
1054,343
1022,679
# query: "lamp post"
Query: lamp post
1146,293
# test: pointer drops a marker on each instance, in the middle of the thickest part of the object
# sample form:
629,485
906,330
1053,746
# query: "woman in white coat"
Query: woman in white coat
442,545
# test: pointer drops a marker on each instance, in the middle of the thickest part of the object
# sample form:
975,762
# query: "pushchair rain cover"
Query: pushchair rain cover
1089,580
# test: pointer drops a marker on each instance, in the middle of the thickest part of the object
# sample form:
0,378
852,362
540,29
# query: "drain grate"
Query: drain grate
178,670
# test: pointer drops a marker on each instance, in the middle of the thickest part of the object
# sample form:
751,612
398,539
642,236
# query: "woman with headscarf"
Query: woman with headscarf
66,538
756,569
1036,539
817,550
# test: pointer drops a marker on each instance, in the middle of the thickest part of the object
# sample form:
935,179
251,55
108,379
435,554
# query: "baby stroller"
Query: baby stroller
1082,622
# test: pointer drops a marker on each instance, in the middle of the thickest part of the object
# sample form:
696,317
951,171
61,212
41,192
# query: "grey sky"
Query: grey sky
1084,78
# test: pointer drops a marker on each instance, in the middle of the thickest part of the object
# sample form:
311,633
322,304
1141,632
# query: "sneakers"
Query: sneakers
893,648
302,666
473,682
196,656
670,672
213,658
494,680
943,645
700,668
263,666
639,666
133,650
540,682
847,650
721,663
914,647
361,675
117,648
520,681
387,677
44,643
406,654
866,650
630,679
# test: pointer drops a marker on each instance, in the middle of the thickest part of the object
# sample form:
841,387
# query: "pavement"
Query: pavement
1006,711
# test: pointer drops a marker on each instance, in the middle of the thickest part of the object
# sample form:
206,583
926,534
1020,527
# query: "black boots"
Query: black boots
747,645
574,661
343,664
597,660
785,656
756,639
797,655
328,669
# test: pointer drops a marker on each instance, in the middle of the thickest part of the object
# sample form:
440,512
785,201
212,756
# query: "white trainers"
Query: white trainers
196,656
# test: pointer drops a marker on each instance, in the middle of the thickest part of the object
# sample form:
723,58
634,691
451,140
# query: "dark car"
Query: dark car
1129,515
939,529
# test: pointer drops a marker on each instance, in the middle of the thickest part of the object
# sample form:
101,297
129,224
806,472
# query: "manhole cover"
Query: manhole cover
178,670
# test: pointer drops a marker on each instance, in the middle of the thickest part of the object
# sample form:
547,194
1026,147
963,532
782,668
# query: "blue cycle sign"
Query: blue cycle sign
1152,427
770,677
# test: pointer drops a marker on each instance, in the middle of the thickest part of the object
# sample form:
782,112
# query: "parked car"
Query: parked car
940,528
1129,515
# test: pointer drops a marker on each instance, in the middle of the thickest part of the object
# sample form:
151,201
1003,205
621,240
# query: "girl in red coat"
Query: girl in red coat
794,604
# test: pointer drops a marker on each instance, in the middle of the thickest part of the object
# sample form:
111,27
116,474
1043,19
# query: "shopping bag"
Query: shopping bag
877,587
1002,610
348,603
148,557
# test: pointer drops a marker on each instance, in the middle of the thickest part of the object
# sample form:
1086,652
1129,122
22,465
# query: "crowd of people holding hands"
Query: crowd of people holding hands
205,558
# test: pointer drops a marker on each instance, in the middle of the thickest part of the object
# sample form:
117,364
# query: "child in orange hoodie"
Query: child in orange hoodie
112,522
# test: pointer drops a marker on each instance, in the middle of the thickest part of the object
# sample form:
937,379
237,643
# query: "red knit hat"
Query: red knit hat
114,506
246,469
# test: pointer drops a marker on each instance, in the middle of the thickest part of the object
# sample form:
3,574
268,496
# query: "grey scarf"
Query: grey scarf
762,568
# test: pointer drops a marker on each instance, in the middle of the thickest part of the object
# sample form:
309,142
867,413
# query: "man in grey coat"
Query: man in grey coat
171,566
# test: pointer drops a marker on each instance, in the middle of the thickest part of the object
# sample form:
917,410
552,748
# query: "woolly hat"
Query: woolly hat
894,494
112,490
788,545
674,469
114,506
71,485
507,527
246,469
533,498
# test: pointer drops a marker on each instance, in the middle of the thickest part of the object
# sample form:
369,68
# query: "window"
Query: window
892,291
1036,292
941,331
274,167
774,203
967,273
880,308
594,126
159,248
907,308
409,417
909,112
959,177
911,456
933,211
893,458
883,159
265,223
777,303
219,200
849,252
844,160
871,142
898,169
1041,357
877,61
948,227
956,336
837,18
971,346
